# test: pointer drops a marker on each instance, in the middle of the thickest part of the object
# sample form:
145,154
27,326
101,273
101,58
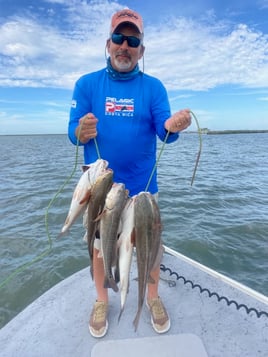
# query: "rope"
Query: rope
162,149
211,294
200,147
49,249
157,161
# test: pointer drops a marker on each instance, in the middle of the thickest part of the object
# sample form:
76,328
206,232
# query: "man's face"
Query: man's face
124,57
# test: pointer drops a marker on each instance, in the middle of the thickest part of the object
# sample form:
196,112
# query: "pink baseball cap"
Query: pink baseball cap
126,16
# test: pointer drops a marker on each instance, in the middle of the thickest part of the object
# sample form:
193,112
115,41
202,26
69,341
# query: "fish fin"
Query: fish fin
133,237
91,271
117,275
85,238
120,313
109,282
100,253
158,257
99,216
85,168
119,242
61,234
117,271
137,318
151,280
86,198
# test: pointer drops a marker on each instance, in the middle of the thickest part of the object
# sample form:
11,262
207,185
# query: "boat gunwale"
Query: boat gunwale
237,285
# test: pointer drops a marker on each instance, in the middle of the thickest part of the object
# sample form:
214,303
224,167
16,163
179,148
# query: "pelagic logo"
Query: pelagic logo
119,107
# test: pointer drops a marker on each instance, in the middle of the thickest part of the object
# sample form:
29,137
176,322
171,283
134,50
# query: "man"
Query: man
124,109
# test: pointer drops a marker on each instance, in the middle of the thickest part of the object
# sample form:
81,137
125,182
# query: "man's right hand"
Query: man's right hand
87,128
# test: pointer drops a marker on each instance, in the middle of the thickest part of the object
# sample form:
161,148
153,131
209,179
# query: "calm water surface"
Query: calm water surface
220,221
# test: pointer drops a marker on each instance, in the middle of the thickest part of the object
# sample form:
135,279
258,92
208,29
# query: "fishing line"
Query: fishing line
200,147
49,249
157,161
162,149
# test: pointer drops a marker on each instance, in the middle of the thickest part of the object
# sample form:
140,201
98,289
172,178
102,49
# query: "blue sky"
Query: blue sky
211,55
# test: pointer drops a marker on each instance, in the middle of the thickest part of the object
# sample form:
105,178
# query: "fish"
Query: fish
82,192
126,242
148,229
95,206
109,230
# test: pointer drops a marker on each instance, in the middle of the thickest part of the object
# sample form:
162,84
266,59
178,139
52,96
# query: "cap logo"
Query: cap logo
123,14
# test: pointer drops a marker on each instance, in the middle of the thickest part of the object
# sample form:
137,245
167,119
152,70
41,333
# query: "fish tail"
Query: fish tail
120,314
136,320
61,234
117,271
91,271
117,275
109,282
151,280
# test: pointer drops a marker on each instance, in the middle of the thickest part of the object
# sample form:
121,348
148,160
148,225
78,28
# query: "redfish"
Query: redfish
82,191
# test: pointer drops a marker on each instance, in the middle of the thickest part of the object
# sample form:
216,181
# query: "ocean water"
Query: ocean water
221,221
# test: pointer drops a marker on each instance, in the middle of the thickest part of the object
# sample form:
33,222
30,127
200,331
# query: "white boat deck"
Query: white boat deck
56,324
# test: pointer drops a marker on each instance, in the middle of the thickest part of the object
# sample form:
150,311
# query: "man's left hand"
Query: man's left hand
178,121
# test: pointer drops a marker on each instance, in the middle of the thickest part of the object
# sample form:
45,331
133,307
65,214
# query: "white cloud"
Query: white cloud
200,57
184,54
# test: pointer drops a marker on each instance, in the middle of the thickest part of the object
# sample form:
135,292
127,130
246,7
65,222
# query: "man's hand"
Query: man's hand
178,121
87,128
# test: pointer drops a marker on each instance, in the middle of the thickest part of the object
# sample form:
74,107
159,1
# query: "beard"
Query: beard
123,64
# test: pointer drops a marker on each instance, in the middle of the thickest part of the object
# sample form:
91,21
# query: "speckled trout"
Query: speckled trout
147,223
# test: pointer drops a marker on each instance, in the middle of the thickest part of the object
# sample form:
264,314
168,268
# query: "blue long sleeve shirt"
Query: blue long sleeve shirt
131,114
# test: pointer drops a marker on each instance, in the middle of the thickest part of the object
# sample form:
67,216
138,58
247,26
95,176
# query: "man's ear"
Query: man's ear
142,49
108,42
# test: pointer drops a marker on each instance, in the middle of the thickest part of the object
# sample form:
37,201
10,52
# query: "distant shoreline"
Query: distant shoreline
203,131
222,132
215,132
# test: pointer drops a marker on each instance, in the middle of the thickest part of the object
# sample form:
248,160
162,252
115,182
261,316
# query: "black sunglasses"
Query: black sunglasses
132,41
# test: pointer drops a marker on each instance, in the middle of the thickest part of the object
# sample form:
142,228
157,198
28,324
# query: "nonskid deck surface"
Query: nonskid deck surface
180,345
56,324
